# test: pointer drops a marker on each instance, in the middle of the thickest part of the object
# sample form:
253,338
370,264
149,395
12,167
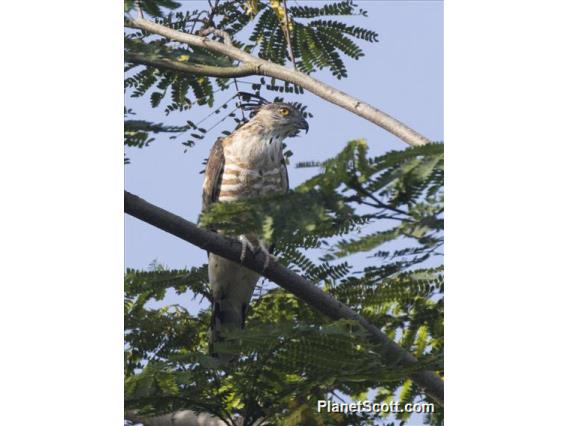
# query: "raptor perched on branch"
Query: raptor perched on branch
248,163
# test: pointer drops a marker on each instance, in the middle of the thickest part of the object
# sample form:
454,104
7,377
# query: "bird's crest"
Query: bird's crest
251,102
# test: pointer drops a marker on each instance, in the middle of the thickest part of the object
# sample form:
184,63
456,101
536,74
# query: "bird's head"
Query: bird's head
282,118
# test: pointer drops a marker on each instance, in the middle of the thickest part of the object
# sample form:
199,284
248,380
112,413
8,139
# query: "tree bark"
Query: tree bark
179,418
266,68
184,67
230,249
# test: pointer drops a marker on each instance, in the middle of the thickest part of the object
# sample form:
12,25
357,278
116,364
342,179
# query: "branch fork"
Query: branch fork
267,68
227,40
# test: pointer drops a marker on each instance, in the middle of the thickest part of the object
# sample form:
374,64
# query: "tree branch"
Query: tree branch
230,249
184,67
219,33
178,418
266,68
288,35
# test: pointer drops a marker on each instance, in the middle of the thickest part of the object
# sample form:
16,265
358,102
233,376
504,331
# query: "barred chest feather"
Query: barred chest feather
254,165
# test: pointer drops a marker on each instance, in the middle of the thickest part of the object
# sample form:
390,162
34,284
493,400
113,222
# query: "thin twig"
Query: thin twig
221,120
214,112
356,186
198,19
267,68
288,35
139,9
212,14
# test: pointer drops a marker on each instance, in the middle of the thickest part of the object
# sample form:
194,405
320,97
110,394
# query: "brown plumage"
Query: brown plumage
247,163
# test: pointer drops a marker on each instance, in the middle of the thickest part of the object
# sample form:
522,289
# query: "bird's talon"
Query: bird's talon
267,256
266,263
245,243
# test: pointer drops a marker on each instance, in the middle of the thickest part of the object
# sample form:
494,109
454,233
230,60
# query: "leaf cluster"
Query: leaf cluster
314,39
151,7
291,355
138,133
316,43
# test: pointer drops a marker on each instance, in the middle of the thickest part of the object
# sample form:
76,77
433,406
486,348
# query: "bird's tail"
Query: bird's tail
227,316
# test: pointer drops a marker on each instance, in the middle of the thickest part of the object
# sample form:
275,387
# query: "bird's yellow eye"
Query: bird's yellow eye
284,111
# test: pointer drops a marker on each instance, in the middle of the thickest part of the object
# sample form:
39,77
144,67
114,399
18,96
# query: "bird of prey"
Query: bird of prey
247,163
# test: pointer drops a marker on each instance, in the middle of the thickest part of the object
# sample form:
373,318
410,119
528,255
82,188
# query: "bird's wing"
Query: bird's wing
213,174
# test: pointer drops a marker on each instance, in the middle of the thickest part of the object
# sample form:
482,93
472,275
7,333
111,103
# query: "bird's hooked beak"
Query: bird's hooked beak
303,125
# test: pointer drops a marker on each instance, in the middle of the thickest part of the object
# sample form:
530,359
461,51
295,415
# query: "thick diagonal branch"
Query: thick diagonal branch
309,293
266,68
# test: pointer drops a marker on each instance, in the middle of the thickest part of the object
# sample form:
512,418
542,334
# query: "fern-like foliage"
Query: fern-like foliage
137,132
316,41
291,355
159,84
151,7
